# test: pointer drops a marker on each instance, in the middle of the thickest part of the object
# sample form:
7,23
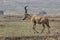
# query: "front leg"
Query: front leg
34,28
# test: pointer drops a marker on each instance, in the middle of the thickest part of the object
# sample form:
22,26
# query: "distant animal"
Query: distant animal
42,12
38,19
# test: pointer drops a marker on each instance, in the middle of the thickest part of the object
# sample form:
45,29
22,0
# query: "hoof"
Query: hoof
34,32
37,32
41,32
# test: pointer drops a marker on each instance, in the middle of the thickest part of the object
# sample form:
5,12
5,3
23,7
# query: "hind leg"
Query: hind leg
48,27
34,26
43,28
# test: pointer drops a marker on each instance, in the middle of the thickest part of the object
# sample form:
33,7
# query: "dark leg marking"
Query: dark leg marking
48,28
43,28
34,26
47,23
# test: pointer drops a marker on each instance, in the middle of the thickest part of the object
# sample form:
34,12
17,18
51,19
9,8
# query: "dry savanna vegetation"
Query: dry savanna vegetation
14,26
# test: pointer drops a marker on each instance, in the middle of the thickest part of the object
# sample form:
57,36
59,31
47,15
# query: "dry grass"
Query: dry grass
14,26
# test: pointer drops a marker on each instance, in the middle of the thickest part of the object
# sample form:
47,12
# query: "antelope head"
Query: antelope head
27,16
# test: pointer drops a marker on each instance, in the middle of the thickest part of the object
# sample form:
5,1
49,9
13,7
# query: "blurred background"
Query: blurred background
34,6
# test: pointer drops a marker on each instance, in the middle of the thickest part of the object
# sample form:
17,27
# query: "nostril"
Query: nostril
23,19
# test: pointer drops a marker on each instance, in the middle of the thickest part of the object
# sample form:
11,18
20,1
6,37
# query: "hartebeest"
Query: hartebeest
38,19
